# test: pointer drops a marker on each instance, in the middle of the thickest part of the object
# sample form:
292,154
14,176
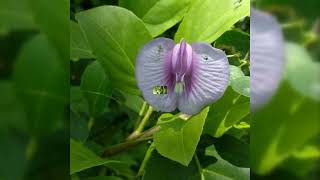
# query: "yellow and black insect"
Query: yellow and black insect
160,90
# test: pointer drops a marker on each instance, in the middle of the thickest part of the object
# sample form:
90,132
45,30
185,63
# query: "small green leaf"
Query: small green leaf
52,19
222,169
79,48
109,30
235,72
207,20
133,102
302,72
96,88
155,13
82,158
226,112
178,138
41,80
241,85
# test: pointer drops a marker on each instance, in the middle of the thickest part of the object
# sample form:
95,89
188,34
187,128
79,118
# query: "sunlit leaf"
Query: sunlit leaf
178,138
209,19
158,15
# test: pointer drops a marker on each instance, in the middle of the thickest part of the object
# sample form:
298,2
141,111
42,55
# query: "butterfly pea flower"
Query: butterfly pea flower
267,58
181,76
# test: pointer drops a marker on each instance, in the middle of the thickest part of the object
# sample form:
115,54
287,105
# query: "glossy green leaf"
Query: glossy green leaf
96,88
226,112
302,72
209,19
82,158
158,15
241,85
281,127
52,19
15,15
222,169
41,81
109,30
133,102
183,135
79,47
233,150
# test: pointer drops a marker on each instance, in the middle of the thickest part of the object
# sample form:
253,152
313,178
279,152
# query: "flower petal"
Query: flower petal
267,58
208,80
153,70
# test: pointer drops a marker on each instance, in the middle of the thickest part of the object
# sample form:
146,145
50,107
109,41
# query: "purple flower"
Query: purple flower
267,58
183,76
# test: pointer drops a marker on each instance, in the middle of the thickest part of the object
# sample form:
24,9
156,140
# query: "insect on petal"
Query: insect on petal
208,80
153,74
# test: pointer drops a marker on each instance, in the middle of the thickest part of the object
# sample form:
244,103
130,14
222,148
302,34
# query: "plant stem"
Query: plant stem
198,165
143,122
145,160
31,148
143,137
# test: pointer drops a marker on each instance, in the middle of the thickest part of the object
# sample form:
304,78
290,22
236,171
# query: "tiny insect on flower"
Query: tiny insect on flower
194,76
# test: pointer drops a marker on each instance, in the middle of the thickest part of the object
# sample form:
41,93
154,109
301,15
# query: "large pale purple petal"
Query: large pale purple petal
208,80
267,58
153,68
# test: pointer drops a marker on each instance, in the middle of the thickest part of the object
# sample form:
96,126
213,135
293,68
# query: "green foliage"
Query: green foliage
79,47
183,135
208,19
82,158
285,132
155,13
103,29
41,92
96,88
302,72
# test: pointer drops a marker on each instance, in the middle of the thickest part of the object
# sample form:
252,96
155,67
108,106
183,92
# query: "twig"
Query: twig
143,122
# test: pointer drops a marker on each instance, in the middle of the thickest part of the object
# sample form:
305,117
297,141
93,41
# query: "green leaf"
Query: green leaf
159,168
15,15
155,13
235,41
235,72
41,81
241,85
52,19
226,112
115,36
82,158
222,169
133,102
302,72
96,88
104,178
233,150
281,127
79,48
183,135
207,20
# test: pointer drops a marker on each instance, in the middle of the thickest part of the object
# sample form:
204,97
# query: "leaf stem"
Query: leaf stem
143,122
145,160
118,148
90,122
